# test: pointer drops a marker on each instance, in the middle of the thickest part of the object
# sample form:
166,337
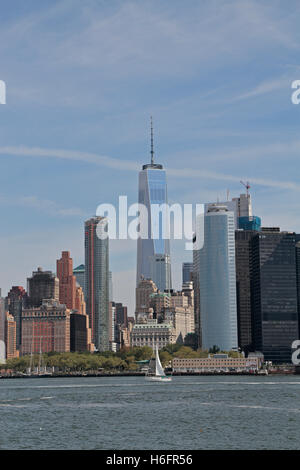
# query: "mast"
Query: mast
31,353
40,356
152,146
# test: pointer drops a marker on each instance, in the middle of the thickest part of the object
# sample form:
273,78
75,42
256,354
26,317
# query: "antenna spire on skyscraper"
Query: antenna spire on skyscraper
152,150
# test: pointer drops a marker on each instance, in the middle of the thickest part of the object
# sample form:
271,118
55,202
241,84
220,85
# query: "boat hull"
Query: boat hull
159,379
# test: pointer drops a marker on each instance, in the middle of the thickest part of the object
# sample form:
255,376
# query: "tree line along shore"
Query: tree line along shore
127,359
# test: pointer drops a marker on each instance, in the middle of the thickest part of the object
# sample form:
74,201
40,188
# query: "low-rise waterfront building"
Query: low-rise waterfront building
214,363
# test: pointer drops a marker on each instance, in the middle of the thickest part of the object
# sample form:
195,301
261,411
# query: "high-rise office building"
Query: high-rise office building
196,285
67,280
217,279
80,333
80,304
42,285
160,270
79,273
274,293
143,292
110,283
244,205
112,326
10,336
118,323
17,300
243,254
153,251
241,207
187,270
249,223
2,329
297,247
97,281
121,314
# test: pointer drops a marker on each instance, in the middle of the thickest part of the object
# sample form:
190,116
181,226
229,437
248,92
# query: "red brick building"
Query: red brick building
67,281
46,328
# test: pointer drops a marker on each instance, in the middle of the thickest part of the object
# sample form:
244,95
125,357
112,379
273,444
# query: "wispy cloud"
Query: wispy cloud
44,205
266,86
87,157
125,165
132,39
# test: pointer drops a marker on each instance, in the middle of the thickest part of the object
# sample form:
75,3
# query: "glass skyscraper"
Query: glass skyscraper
97,282
218,311
2,330
153,251
274,293
187,270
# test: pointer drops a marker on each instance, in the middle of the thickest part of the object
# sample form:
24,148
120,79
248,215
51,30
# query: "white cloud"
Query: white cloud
266,86
45,205
126,165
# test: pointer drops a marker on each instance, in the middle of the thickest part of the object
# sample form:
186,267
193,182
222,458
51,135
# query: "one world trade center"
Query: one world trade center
153,251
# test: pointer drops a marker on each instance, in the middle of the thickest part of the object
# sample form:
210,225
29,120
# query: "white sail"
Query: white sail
159,369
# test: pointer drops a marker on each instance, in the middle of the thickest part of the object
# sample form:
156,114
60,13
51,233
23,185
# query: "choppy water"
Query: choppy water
131,413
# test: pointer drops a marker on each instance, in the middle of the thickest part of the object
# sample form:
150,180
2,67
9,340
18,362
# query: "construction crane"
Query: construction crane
247,186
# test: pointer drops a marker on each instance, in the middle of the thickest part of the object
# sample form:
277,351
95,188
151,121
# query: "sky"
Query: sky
83,78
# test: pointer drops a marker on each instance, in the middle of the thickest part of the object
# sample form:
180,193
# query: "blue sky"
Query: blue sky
83,79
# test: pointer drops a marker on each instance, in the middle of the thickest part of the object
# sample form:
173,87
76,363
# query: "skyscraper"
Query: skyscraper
10,336
2,329
242,208
187,269
243,255
42,285
274,293
196,285
153,252
79,274
217,280
67,281
97,281
111,290
143,292
17,300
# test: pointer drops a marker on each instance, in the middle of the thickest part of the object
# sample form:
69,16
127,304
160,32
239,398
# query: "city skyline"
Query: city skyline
89,128
150,228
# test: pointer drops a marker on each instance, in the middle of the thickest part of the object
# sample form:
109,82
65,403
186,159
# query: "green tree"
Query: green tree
165,358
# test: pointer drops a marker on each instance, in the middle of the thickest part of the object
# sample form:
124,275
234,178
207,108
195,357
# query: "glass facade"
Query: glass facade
217,279
274,294
2,330
97,283
243,287
80,276
153,252
187,270
249,223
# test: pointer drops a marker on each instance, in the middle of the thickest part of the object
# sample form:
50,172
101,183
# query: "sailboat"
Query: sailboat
42,370
156,371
